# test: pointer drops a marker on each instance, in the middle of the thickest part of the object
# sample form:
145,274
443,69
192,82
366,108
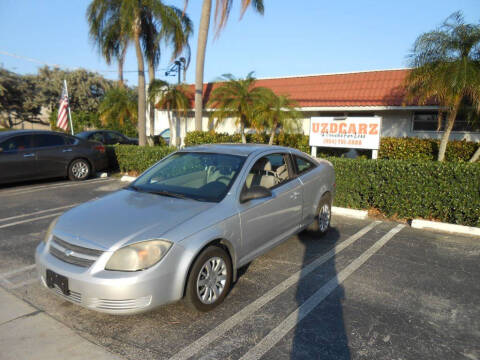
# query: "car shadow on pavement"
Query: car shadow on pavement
321,334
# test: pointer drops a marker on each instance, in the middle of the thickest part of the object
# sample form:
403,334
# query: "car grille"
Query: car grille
73,254
119,304
72,296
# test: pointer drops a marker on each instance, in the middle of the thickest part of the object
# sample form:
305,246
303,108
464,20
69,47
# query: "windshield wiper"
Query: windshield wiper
167,193
132,187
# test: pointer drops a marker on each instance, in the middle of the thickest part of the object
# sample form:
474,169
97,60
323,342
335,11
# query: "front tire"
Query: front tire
209,280
79,170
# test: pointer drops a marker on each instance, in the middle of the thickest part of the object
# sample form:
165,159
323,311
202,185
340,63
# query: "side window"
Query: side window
303,165
97,137
16,143
45,140
114,138
165,134
269,171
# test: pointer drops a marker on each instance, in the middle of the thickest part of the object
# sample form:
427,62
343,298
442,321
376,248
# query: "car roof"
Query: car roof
4,134
234,149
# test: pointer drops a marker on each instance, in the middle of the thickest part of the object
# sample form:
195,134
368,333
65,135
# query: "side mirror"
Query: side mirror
1,149
255,192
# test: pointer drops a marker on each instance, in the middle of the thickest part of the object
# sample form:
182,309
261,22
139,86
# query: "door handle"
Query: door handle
29,155
66,150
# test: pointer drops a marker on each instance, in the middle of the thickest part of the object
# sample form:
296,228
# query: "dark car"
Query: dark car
35,154
107,137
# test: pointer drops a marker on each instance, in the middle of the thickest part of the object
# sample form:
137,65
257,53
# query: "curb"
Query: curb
127,178
357,214
452,228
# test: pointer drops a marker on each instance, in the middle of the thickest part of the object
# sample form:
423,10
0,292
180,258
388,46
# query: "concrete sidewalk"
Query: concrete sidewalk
28,333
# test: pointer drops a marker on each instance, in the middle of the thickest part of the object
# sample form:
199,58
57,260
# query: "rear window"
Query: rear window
70,140
303,165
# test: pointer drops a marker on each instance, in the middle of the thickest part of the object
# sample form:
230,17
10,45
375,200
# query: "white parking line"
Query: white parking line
248,310
24,283
38,212
27,190
30,220
295,317
16,271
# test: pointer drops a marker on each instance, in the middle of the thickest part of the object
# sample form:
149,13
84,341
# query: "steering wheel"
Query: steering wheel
223,177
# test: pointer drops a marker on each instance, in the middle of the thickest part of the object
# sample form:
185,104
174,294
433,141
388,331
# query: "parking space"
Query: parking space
365,290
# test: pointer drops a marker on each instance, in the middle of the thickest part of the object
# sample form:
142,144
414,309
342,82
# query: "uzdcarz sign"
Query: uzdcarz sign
346,132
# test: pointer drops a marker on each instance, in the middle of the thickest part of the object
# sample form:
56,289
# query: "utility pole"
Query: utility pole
176,68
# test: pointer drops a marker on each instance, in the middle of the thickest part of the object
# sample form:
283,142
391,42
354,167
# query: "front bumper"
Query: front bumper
114,292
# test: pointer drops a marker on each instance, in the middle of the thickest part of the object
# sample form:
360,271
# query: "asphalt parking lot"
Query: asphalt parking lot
367,290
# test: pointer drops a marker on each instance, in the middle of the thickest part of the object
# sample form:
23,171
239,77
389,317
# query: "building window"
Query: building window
428,121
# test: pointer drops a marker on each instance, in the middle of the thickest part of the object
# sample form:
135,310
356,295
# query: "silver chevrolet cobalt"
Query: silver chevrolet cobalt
184,227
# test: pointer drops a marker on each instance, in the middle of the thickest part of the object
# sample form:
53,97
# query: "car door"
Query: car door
53,155
268,221
312,183
17,159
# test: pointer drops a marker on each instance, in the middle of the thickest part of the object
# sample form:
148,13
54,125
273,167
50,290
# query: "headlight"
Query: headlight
49,230
138,256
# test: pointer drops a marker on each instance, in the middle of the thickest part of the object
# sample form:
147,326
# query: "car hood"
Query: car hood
125,216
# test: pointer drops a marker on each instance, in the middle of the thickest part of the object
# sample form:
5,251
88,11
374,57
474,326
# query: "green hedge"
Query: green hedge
390,148
298,141
449,192
424,149
133,158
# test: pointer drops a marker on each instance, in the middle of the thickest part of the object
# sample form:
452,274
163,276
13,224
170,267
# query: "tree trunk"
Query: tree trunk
142,133
121,61
242,131
200,61
272,135
151,78
476,155
448,129
439,120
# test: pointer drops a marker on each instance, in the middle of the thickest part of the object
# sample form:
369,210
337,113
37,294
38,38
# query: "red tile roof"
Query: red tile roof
369,88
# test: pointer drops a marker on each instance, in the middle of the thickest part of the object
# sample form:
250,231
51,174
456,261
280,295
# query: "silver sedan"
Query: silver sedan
184,227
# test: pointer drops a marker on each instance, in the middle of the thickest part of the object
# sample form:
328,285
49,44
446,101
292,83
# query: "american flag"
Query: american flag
62,120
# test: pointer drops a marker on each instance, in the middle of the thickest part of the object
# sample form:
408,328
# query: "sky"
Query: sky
299,37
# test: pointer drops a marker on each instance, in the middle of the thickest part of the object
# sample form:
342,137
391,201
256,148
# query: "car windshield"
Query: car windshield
198,176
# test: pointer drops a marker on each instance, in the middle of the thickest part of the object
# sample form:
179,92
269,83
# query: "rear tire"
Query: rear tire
209,280
79,170
321,224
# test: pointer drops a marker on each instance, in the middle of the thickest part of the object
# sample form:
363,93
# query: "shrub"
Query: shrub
133,158
424,149
298,141
449,192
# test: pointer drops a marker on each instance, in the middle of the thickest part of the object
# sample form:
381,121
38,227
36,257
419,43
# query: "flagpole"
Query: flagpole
69,114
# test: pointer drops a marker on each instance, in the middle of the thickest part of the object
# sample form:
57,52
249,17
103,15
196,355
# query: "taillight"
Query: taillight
100,148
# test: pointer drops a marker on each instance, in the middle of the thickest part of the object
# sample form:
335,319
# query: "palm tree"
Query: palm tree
129,18
237,98
446,67
277,112
174,99
173,29
118,107
108,37
222,12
